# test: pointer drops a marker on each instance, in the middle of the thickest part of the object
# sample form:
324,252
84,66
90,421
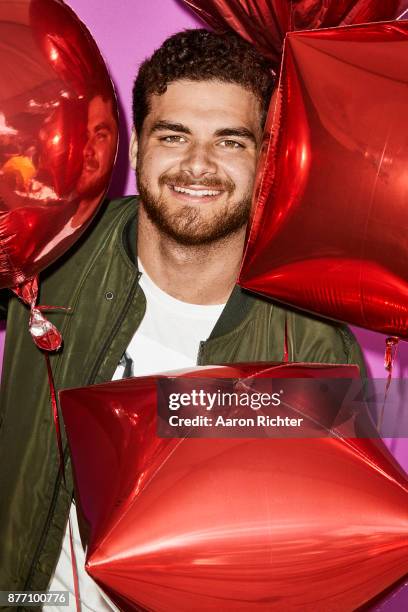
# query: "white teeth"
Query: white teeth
200,193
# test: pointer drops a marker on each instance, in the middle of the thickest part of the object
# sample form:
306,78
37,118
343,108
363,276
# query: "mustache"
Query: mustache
90,164
211,182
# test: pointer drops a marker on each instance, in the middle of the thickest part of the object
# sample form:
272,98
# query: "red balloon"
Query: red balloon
331,216
266,22
58,134
231,524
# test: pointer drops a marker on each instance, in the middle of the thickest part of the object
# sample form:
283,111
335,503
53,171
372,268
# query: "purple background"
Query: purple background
127,32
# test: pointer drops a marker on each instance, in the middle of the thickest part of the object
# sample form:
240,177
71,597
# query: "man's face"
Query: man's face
99,150
196,159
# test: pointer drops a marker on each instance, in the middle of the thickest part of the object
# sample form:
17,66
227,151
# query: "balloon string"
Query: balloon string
44,308
285,342
391,346
74,566
62,470
47,338
56,416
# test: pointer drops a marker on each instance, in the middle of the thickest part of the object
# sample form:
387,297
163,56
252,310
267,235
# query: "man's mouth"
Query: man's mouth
191,194
196,191
90,166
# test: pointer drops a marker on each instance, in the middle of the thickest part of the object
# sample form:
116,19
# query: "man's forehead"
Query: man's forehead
212,101
100,111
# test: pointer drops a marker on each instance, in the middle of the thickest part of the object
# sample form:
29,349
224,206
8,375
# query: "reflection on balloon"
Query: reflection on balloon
58,134
331,211
266,22
231,524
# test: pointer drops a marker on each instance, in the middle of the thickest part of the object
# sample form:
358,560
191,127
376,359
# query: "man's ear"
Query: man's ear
133,149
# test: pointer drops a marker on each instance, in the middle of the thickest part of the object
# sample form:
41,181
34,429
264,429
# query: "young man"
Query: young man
154,280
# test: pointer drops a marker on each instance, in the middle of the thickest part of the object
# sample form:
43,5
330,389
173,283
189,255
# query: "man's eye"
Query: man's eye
173,139
231,144
101,135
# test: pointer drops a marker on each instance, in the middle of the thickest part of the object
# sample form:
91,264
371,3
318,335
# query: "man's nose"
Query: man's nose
89,149
198,161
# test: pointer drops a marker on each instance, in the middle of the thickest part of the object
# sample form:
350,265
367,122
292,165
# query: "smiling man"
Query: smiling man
195,159
199,106
152,285
196,165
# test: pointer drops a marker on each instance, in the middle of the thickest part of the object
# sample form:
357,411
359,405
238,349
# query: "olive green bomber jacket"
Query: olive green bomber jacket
98,280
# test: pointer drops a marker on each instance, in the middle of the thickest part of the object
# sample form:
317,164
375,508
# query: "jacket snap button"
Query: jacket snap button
109,295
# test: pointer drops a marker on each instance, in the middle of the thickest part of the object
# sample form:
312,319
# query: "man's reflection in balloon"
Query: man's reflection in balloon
98,155
308,13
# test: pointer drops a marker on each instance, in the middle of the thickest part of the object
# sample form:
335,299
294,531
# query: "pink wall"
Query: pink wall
128,31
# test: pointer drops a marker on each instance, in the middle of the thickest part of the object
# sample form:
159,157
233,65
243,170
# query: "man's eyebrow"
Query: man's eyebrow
171,127
239,132
102,126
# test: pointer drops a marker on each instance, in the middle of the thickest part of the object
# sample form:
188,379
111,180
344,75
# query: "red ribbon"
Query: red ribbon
49,339
285,342
391,346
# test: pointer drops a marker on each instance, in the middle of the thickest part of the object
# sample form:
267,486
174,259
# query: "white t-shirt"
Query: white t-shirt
92,599
170,333
168,338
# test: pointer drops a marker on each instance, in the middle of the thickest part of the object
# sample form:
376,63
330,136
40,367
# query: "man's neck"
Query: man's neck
204,274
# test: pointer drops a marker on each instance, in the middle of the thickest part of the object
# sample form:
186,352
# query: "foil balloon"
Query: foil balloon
266,22
227,523
58,135
331,200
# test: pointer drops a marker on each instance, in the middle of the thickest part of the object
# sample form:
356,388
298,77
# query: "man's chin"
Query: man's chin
189,227
90,191
194,238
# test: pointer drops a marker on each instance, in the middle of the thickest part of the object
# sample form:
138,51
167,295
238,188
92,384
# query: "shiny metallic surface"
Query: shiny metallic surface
54,167
231,524
330,223
266,22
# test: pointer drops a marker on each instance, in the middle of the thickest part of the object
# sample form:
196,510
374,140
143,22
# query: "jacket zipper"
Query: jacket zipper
115,328
91,379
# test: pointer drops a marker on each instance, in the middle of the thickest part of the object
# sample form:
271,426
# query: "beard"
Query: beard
92,184
188,226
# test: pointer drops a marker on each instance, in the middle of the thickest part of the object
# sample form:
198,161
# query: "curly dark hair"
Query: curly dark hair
200,55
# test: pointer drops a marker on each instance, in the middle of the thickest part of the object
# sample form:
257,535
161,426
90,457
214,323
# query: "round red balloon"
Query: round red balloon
58,134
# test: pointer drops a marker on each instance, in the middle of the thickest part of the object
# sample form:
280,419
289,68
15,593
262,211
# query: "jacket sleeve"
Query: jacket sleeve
318,340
